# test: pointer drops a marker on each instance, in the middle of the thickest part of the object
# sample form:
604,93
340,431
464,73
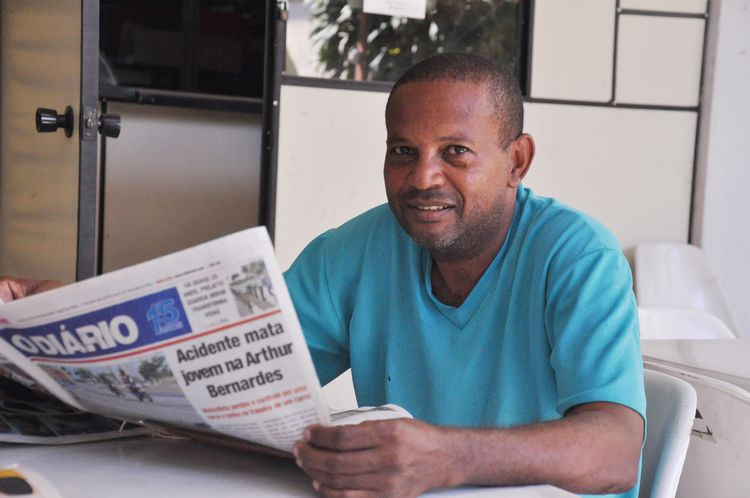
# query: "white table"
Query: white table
146,467
724,359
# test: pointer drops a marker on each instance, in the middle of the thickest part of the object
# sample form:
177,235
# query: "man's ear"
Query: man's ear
521,152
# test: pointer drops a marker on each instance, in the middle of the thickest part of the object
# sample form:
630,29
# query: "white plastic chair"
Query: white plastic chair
667,322
670,413
718,459
678,275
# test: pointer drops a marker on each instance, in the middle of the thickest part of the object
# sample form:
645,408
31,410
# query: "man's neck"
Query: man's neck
453,280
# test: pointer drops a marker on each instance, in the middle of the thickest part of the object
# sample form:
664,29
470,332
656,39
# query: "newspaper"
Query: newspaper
205,339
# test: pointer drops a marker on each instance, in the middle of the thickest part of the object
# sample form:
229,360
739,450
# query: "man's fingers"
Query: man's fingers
43,285
381,483
385,457
343,493
362,482
365,435
5,293
351,462
16,288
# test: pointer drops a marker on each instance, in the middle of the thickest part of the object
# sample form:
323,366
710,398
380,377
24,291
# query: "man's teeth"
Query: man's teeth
431,208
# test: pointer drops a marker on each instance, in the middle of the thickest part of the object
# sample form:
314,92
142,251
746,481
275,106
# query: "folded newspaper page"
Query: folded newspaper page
203,339
31,414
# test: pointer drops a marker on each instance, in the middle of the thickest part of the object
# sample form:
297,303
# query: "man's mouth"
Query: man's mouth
428,212
430,208
427,206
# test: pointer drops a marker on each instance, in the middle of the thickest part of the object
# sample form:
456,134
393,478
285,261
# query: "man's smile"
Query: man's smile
427,210
427,206
431,208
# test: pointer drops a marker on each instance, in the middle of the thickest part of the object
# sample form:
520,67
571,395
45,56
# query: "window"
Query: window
202,46
335,39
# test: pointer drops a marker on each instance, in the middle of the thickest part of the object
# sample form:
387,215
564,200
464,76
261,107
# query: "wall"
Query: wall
586,158
614,104
330,162
722,201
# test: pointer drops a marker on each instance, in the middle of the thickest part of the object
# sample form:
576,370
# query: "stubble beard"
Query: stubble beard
465,239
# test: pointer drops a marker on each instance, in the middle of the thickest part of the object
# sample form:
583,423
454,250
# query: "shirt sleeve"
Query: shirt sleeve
592,323
325,333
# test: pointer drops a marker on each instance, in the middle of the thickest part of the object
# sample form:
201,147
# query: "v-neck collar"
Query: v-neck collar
462,314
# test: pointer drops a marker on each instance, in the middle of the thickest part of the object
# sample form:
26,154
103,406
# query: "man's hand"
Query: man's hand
593,449
16,288
400,457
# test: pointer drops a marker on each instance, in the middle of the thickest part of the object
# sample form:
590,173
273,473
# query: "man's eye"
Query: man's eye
401,150
457,150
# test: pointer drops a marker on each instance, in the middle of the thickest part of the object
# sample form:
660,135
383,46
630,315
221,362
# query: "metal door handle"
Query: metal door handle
48,120
109,125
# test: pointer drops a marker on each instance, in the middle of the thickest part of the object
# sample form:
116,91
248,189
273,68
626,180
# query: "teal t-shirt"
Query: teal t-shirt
551,324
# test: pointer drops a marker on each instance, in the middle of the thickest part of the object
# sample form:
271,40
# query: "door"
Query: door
48,60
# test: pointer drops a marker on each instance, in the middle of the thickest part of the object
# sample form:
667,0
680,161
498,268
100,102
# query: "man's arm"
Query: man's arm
595,448
15,288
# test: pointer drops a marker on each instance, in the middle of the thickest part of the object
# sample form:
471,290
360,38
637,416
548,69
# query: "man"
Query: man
503,321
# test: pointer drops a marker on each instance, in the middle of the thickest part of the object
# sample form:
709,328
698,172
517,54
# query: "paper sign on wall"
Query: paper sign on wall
415,9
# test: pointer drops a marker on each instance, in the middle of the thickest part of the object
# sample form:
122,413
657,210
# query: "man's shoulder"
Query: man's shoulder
373,230
344,259
377,217
375,222
552,223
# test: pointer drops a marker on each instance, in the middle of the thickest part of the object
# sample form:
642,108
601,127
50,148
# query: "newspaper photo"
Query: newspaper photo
204,339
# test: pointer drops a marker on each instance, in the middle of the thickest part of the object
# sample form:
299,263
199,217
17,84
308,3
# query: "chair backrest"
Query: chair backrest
670,412
667,322
678,275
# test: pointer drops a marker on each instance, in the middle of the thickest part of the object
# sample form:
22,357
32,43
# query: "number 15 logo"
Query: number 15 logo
164,316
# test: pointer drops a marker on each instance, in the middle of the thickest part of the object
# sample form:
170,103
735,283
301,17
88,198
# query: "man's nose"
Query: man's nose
426,173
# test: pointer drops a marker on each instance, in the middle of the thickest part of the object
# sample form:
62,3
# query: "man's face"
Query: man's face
448,179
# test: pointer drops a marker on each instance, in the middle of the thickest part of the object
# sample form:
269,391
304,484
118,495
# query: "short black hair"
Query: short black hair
502,85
